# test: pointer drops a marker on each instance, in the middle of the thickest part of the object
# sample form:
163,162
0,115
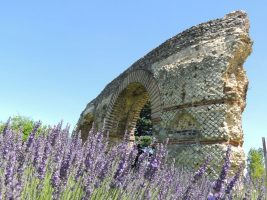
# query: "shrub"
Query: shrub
23,125
255,165
54,166
144,141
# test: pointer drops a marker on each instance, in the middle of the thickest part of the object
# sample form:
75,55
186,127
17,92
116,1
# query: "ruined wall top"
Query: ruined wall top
233,24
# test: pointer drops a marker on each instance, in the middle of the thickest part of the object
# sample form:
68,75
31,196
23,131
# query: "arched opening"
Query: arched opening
86,125
126,111
144,122
132,93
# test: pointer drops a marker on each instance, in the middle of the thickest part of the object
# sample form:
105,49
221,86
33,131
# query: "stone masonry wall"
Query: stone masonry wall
197,87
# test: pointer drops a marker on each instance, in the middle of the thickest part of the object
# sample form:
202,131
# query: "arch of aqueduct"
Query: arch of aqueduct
197,87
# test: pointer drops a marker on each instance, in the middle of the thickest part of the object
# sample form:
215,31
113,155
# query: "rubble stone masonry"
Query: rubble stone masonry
197,87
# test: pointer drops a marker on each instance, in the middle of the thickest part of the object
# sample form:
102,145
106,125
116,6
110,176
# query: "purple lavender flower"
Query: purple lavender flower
42,166
77,151
55,182
201,170
261,190
120,172
55,179
47,148
147,194
41,170
92,163
65,165
104,171
212,197
7,127
154,163
88,188
55,132
124,166
57,162
233,181
20,166
220,181
32,136
38,151
196,177
79,172
10,175
7,139
88,161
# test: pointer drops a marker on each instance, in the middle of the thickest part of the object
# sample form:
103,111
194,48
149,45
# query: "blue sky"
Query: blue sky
56,56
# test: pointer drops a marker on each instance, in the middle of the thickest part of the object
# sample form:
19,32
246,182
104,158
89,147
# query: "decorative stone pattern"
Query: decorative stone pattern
197,87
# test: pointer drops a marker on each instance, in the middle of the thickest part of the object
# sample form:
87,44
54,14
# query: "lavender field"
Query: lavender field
52,165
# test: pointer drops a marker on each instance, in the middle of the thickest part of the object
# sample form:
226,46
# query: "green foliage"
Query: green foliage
23,124
2,125
255,164
143,131
144,123
144,141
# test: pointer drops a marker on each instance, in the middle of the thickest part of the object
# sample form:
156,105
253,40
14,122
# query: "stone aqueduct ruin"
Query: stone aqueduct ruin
197,87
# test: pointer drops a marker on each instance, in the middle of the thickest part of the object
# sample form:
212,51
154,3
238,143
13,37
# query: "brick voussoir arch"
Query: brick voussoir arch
146,79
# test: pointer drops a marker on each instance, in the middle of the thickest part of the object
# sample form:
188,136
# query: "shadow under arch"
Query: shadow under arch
136,89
